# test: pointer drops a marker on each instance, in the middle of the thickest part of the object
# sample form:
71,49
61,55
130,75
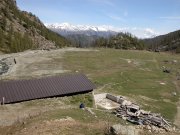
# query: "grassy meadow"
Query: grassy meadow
137,75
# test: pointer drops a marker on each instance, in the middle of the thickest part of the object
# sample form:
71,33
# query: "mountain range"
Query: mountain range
87,35
66,29
21,30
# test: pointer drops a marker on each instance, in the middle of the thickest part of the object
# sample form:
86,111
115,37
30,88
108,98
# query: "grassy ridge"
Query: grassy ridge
135,74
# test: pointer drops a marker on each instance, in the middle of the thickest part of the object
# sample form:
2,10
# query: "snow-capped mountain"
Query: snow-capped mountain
67,29
70,27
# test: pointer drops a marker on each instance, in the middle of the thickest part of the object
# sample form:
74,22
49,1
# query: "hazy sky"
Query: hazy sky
162,16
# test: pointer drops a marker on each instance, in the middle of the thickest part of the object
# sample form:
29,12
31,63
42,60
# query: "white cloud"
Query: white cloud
139,32
150,30
116,17
106,2
171,17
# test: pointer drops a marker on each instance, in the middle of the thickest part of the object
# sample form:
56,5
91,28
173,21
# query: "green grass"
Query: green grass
84,121
87,99
135,74
140,77
81,115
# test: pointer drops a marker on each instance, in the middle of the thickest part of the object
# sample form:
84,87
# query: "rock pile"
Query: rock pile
3,67
131,112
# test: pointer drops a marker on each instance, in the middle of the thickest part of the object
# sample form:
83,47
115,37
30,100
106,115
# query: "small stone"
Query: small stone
124,118
174,128
148,127
174,94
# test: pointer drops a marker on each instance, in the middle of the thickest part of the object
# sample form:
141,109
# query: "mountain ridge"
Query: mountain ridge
21,30
67,29
102,30
167,42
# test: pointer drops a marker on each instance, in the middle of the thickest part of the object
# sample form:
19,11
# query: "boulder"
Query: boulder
124,130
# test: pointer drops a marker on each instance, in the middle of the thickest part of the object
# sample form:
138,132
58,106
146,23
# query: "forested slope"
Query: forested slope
121,41
20,30
168,42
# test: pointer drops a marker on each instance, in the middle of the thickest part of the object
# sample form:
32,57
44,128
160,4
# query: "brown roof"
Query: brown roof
23,90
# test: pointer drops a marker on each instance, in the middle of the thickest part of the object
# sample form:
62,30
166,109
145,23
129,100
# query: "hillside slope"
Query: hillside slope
81,40
121,41
168,42
20,30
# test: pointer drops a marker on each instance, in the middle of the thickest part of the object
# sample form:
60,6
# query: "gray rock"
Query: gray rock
3,67
124,130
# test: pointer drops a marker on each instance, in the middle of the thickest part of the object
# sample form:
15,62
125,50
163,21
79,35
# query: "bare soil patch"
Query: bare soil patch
37,63
13,113
60,126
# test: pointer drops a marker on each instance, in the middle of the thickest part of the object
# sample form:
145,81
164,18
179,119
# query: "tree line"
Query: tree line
168,42
14,42
121,41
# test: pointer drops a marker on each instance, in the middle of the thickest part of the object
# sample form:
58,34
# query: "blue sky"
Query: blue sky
162,16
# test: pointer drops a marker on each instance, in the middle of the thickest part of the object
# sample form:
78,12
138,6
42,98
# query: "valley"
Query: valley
112,69
137,75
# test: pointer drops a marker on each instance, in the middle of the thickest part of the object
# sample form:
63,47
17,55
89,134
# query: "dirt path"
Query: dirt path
36,63
177,118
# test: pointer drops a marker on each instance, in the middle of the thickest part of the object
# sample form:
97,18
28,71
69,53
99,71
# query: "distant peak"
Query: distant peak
69,28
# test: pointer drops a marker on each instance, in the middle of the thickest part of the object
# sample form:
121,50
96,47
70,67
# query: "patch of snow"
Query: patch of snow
137,31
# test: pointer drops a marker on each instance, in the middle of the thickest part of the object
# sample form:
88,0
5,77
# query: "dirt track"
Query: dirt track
34,64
